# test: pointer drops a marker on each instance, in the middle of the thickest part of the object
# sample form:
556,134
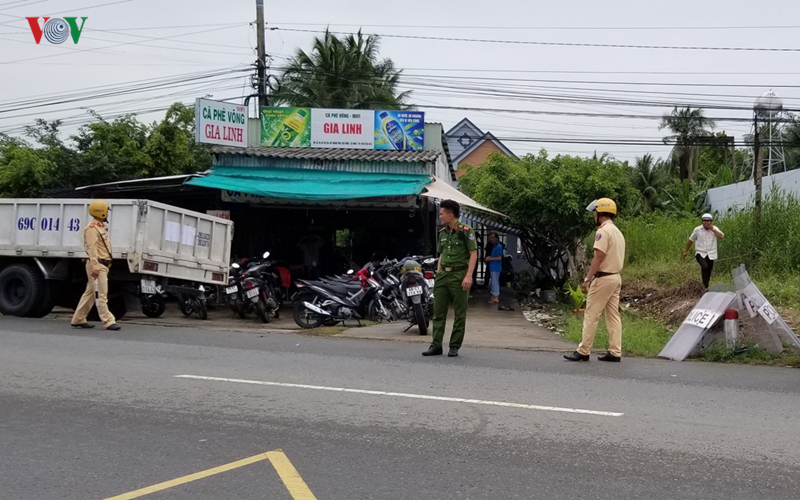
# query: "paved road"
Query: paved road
96,415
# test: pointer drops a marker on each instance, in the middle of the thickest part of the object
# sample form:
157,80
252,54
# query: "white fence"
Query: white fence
741,194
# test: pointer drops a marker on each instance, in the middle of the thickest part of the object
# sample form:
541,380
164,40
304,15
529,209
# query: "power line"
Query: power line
551,44
546,28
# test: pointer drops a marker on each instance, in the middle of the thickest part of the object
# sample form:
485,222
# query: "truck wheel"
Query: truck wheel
22,287
47,303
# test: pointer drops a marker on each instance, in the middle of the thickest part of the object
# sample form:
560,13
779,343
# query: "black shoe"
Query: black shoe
453,352
576,356
82,325
609,357
114,328
433,351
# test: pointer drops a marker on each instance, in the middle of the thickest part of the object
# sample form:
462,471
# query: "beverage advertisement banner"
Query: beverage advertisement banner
400,130
342,128
286,127
220,123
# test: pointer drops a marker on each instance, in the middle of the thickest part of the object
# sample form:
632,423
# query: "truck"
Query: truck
156,247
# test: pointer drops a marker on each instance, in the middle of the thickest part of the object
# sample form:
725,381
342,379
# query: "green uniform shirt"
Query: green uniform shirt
454,246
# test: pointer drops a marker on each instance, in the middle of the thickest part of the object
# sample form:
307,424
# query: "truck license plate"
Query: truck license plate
252,293
148,287
231,290
414,290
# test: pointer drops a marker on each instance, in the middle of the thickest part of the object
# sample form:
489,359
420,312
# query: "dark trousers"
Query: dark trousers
706,266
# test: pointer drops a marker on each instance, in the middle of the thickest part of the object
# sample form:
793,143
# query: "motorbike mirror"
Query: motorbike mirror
266,255
235,266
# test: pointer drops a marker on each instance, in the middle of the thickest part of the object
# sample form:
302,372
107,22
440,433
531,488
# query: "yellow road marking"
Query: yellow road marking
199,475
291,479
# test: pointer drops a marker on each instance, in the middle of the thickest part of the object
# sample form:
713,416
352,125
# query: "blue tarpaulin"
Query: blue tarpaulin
311,184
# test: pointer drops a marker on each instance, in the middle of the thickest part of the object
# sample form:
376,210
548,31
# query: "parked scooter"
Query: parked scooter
192,300
152,298
417,288
234,292
259,290
322,302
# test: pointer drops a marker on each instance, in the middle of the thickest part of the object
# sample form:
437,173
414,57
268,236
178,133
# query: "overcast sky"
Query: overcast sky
135,40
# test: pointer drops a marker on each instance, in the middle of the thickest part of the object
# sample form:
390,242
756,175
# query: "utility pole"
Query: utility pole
757,166
261,64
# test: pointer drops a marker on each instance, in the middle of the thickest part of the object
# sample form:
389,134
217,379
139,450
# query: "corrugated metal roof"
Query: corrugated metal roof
331,154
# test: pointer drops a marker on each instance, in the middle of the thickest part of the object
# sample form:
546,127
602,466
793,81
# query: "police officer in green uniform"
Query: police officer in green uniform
458,254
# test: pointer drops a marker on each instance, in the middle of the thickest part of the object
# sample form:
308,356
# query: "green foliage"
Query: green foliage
771,252
341,73
105,152
547,199
22,171
576,295
171,145
687,125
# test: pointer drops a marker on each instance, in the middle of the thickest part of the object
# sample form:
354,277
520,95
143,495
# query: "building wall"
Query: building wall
741,194
477,157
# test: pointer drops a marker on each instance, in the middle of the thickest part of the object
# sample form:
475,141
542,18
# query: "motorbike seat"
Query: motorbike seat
339,288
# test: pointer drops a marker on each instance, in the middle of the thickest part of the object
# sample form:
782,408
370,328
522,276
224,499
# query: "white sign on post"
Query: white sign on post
768,312
220,123
702,318
343,128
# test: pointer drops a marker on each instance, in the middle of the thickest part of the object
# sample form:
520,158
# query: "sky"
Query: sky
530,93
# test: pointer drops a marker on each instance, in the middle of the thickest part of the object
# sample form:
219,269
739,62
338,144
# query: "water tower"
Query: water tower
769,121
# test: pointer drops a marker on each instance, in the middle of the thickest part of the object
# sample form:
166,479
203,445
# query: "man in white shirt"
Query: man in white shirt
704,238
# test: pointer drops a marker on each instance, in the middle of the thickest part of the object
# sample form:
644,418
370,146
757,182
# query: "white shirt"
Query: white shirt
705,242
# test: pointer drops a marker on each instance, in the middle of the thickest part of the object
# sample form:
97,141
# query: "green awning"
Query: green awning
308,184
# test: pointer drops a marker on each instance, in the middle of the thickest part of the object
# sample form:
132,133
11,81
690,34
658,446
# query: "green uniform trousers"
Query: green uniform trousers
447,290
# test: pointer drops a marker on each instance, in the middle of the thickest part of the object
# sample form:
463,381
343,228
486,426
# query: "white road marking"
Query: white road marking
406,395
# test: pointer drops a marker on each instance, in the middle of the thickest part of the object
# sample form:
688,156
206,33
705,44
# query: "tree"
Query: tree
791,137
171,146
546,199
22,170
649,177
341,73
111,151
688,126
63,160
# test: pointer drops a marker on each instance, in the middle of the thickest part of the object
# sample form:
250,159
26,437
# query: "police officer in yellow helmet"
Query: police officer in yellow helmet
97,243
603,284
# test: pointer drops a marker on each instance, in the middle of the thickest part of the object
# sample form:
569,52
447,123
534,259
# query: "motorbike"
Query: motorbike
192,300
260,290
417,288
234,292
152,298
320,302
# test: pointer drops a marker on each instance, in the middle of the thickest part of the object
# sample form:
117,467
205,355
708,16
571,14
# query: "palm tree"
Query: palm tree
687,126
341,73
791,137
649,177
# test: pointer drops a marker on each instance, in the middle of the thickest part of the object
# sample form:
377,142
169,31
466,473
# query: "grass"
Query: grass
771,251
751,355
640,336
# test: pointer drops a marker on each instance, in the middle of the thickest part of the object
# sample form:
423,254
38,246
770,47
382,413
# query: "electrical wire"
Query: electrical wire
551,44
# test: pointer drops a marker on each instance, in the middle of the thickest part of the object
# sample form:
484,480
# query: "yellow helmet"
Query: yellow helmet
98,209
603,206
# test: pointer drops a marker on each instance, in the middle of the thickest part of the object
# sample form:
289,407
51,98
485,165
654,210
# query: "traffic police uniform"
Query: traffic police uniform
605,290
97,243
454,247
